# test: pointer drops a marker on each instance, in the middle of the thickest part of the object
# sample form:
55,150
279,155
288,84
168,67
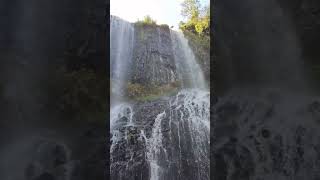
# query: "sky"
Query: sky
163,11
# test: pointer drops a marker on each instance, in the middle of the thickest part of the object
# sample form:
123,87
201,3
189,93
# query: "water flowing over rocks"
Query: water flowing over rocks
46,157
121,48
269,134
166,138
266,119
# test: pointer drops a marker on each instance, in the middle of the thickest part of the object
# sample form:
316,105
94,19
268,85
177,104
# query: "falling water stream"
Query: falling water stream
121,46
188,68
176,144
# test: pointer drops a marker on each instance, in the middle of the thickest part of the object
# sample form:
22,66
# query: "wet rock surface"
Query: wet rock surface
257,137
163,141
78,156
153,58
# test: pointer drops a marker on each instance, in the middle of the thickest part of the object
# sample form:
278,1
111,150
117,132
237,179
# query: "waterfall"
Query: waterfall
188,68
167,138
265,120
188,123
189,113
121,46
154,147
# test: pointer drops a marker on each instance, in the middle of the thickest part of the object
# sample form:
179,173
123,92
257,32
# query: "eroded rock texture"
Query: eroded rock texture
163,139
267,135
153,58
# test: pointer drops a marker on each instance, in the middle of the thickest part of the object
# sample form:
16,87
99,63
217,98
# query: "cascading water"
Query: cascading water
166,138
186,138
121,46
154,147
188,114
187,66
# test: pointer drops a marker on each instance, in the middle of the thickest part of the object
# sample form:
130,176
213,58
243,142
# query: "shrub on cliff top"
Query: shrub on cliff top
146,21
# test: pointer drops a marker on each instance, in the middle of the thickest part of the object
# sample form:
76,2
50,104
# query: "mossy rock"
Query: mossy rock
139,92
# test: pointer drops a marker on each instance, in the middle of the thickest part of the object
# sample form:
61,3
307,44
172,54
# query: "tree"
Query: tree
190,9
198,19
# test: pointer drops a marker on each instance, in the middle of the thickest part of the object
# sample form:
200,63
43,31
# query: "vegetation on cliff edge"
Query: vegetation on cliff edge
197,17
140,92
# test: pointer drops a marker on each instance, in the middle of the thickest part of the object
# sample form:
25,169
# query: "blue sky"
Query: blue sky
163,11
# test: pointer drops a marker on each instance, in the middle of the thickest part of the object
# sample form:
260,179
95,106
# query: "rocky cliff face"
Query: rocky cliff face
305,17
164,139
266,135
167,137
248,32
262,132
153,58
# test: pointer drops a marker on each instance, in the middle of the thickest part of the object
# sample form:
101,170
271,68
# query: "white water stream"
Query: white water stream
188,111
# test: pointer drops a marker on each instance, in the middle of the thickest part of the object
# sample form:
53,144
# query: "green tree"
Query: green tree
198,19
190,9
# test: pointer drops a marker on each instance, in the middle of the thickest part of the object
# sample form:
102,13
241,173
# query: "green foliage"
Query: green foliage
146,21
140,92
198,19
201,42
190,9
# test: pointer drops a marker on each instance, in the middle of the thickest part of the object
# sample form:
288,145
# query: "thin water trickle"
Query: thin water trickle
154,147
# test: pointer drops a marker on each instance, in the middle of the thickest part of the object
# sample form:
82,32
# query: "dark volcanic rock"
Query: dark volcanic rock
153,58
168,139
281,145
